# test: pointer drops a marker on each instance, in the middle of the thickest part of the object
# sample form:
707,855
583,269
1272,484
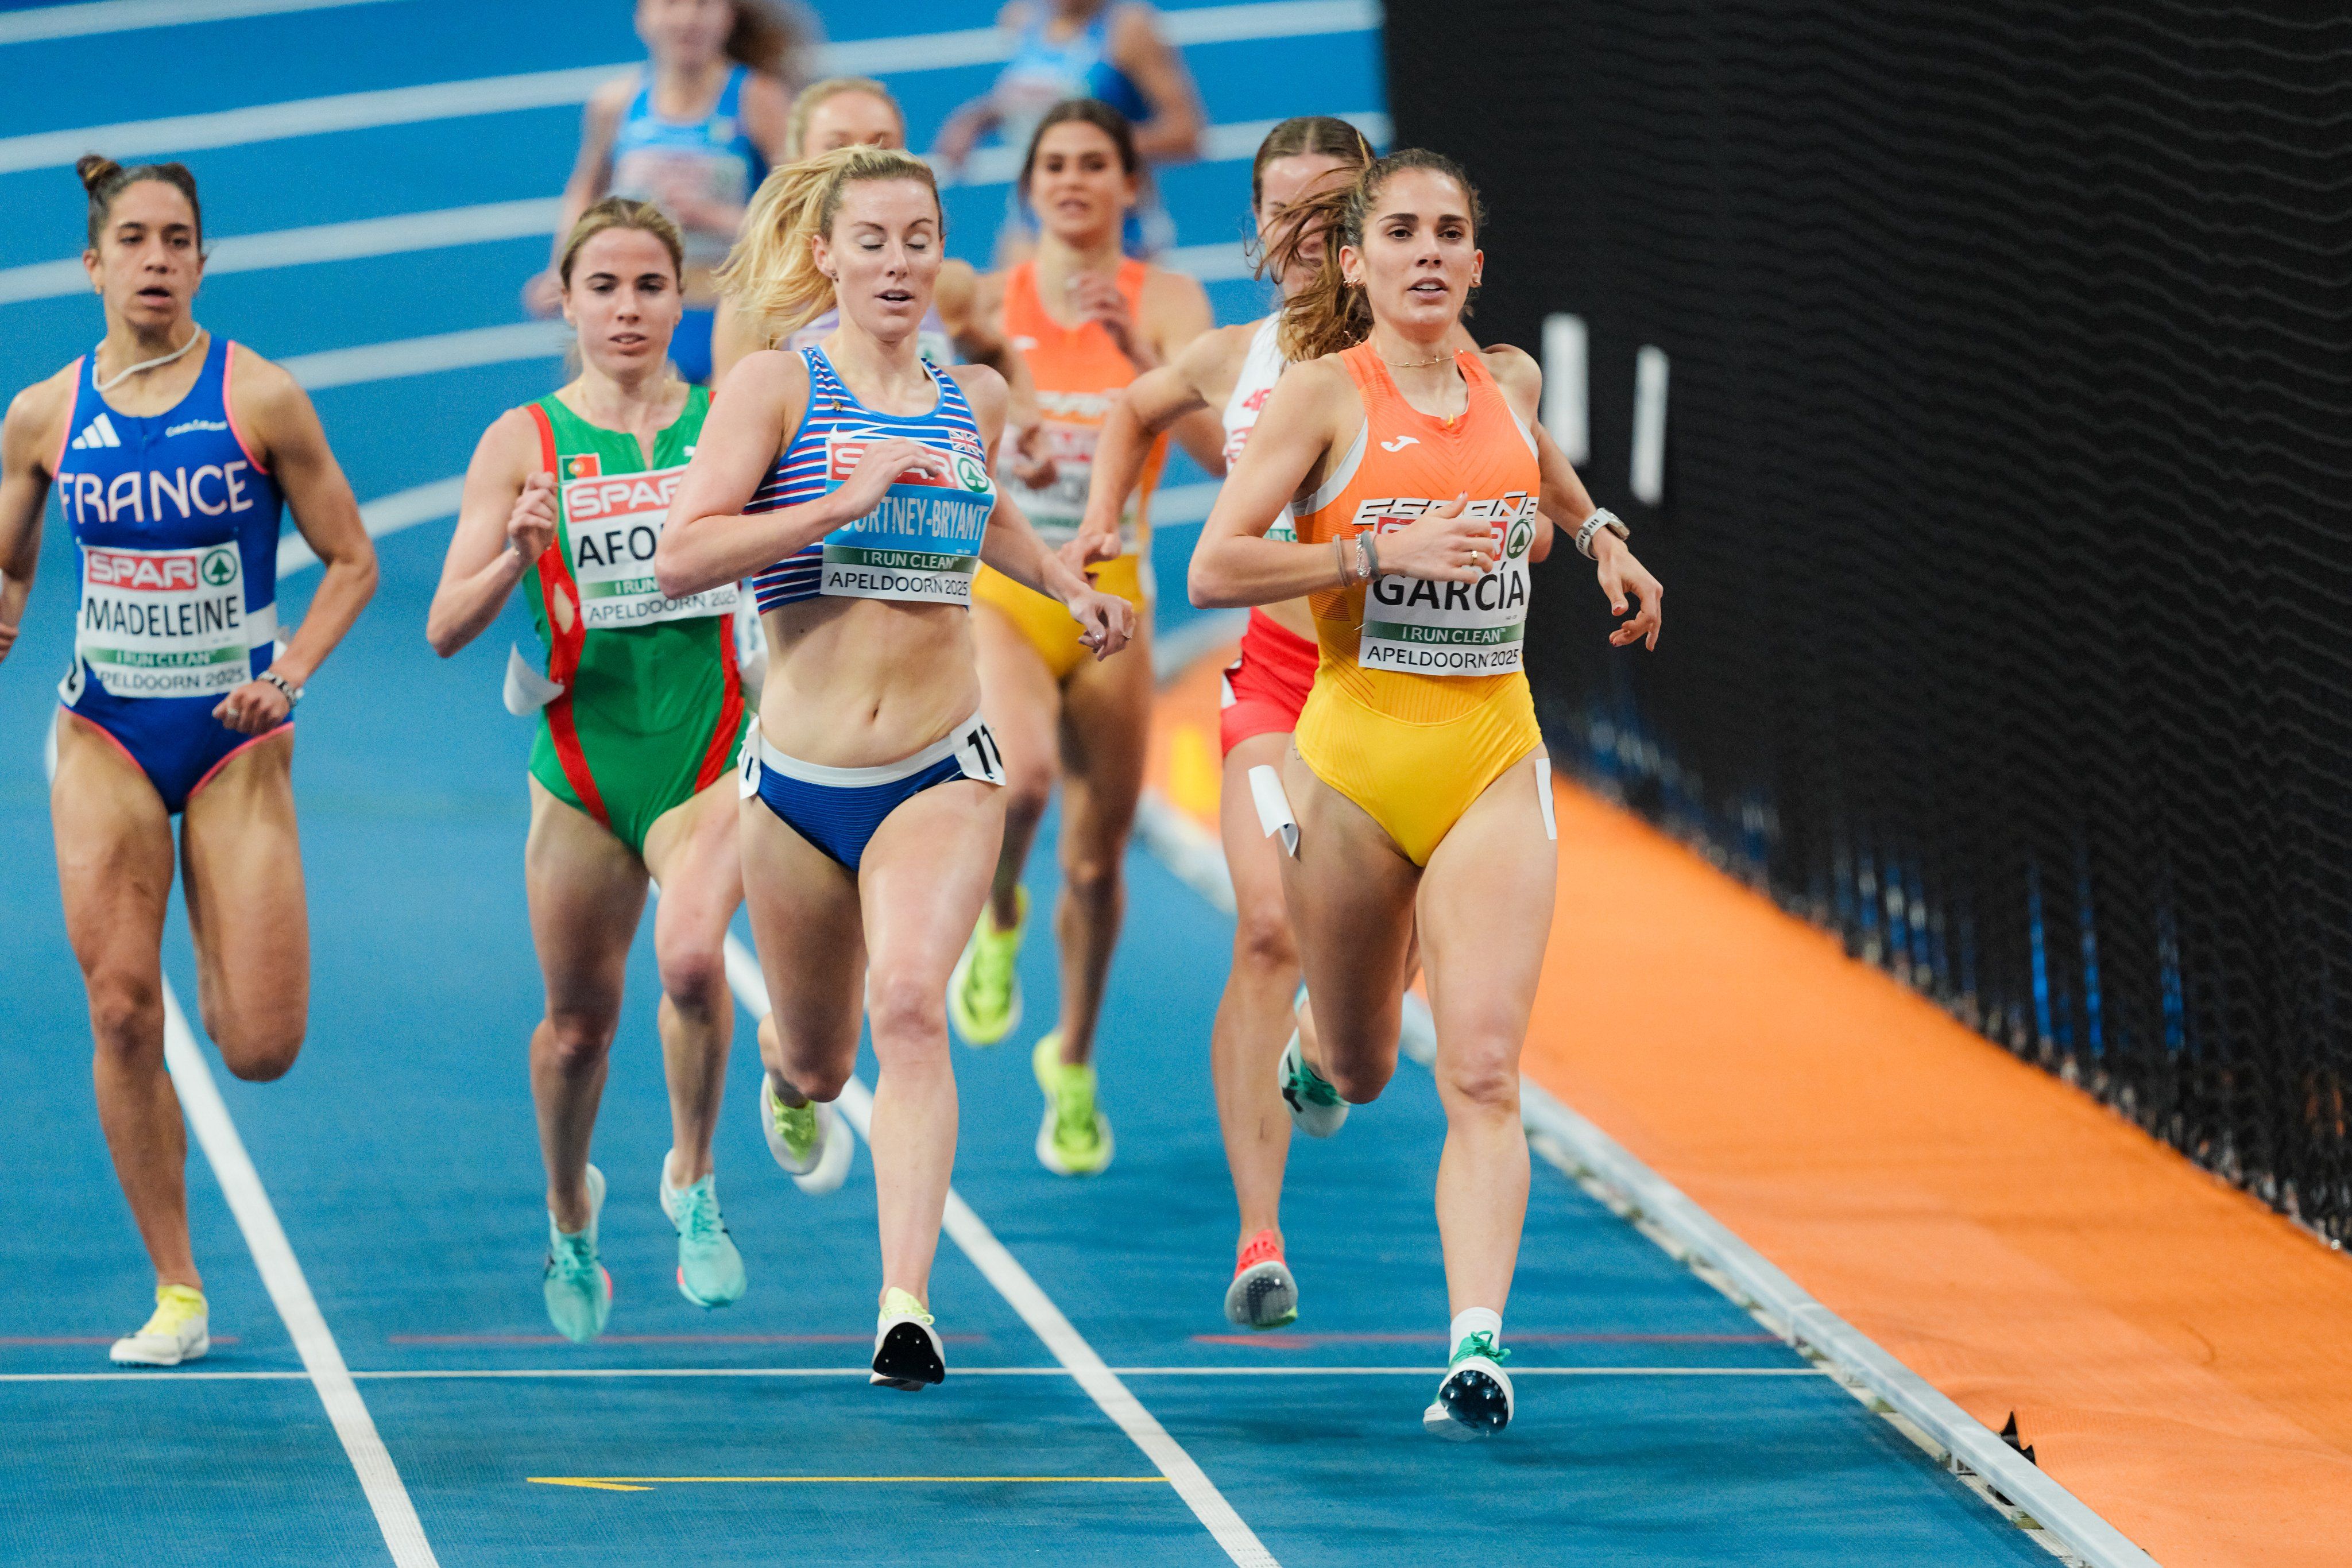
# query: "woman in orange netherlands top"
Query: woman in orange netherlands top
1417,778
1087,322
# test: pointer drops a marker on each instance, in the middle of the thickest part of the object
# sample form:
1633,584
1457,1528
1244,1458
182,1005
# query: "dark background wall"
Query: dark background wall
2005,523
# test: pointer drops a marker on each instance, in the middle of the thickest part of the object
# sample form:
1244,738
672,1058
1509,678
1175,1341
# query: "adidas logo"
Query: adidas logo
99,432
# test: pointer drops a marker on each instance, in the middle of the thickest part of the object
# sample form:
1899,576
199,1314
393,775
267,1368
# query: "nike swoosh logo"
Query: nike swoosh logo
1400,443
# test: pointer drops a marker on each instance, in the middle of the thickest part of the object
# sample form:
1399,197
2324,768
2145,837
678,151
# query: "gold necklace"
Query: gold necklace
1413,364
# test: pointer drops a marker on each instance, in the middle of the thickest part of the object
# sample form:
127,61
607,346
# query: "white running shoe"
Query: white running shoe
907,1352
1316,1108
1475,1400
179,1331
810,1141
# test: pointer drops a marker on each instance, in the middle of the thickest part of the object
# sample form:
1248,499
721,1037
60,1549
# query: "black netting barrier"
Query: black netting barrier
2008,510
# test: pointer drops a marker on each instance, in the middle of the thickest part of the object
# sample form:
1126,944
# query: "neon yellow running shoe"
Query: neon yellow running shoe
1075,1139
984,992
180,1331
906,1354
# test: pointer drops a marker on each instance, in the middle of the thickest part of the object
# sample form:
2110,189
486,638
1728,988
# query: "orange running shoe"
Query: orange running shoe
1263,1294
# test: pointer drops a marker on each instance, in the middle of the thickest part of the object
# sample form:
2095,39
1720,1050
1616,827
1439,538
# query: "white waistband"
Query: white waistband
937,752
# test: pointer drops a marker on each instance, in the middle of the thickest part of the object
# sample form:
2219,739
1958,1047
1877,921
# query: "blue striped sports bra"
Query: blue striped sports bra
922,545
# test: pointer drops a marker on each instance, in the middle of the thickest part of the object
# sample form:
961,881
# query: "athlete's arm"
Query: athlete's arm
592,177
709,539
506,520
1012,546
1176,316
977,117
958,294
1564,496
766,115
1146,405
1234,564
1172,134
28,445
274,407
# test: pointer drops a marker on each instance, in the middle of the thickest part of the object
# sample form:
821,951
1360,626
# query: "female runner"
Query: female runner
1088,322
629,775
693,132
1234,368
174,452
1417,774
853,478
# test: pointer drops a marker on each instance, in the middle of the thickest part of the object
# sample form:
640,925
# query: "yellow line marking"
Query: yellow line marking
645,1483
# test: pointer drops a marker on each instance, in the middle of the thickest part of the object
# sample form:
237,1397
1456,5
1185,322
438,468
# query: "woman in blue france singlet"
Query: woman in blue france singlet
694,132
851,480
171,453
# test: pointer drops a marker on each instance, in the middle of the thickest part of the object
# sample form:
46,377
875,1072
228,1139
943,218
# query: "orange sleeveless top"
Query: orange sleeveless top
1426,652
1077,371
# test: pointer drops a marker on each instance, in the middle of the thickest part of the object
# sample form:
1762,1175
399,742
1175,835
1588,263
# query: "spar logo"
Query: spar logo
161,574
1520,541
971,473
622,496
844,451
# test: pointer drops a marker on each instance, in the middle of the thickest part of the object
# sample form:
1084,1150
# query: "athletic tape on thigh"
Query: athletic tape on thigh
1543,797
1274,807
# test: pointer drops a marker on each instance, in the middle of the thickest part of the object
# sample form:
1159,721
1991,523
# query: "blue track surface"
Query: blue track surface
401,1159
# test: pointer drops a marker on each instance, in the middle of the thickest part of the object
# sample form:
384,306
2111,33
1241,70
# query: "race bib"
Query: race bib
612,525
1055,510
1418,627
922,543
168,622
980,757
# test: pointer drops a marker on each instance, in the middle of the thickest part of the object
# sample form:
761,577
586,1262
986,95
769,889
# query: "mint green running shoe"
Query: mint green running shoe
578,1291
1475,1400
1316,1108
985,992
709,1269
1074,1138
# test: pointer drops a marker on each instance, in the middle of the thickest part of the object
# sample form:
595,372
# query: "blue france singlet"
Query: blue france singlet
175,526
922,543
712,157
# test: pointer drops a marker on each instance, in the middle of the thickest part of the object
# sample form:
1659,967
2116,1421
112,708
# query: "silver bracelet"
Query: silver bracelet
293,692
1368,555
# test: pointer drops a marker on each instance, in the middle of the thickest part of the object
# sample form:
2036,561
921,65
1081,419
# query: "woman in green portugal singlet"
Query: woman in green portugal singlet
641,711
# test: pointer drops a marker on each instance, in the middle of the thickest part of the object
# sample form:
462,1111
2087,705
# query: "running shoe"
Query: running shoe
578,1291
178,1332
1316,1108
1263,1294
907,1352
810,1140
709,1269
985,992
1074,1138
1475,1400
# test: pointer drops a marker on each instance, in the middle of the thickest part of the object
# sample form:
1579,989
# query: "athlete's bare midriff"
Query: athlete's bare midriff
864,683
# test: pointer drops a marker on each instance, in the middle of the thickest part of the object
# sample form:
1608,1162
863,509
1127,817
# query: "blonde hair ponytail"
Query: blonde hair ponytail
770,275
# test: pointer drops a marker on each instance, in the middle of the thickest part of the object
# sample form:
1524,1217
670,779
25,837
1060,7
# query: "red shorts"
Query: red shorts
1267,685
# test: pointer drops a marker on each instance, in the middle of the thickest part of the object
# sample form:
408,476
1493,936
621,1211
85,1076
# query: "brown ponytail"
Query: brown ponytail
770,38
105,180
1330,313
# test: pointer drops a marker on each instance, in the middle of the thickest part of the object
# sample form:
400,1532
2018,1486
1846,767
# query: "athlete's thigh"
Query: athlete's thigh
241,858
1485,913
1106,731
923,879
1253,855
806,925
114,862
1351,903
694,853
1019,697
587,891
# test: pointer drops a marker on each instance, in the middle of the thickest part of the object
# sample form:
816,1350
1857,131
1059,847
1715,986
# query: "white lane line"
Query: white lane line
547,89
393,236
1583,1151
131,16
200,1097
1045,1318
460,1374
385,515
429,355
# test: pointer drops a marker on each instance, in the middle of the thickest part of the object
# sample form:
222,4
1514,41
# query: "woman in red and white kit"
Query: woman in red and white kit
1300,167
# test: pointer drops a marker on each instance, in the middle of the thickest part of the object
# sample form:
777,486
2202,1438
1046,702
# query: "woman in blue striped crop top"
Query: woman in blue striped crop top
851,480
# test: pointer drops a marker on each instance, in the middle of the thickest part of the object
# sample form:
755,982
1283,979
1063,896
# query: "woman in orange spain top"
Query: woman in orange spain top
1417,780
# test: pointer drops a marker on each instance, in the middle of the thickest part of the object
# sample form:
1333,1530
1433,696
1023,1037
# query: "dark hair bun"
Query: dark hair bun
96,169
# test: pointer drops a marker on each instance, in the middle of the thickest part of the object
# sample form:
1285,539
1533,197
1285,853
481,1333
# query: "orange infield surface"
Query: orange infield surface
2180,1356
